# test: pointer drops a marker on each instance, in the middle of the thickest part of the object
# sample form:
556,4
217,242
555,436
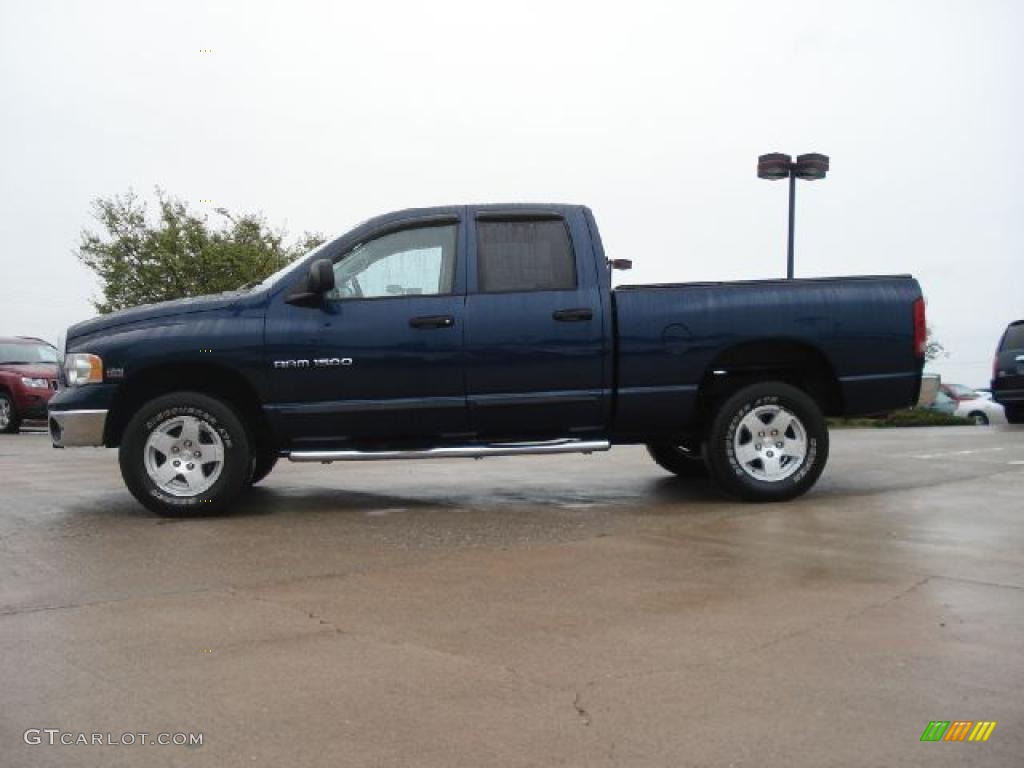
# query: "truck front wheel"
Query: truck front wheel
185,454
262,464
768,442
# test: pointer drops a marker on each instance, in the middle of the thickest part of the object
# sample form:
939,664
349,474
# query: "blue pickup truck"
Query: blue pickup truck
487,330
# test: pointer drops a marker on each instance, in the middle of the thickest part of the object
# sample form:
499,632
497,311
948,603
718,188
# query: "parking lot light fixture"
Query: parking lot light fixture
775,166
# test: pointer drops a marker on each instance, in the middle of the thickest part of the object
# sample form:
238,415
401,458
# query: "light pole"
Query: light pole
777,166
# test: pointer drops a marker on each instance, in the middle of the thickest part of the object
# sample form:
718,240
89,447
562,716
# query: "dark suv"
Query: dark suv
1008,373
28,379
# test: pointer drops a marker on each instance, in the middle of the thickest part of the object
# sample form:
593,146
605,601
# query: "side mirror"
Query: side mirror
321,276
319,281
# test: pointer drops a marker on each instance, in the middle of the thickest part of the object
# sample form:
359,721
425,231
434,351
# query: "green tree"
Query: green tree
933,348
180,254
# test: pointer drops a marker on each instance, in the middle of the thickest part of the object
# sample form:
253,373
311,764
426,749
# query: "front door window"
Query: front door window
411,262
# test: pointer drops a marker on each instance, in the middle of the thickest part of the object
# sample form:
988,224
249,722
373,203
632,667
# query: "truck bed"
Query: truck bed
671,337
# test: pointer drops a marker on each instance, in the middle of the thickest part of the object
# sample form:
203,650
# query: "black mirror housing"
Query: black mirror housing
321,276
319,281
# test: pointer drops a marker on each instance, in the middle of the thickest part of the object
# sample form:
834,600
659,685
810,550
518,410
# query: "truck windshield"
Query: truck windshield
27,353
270,280
962,392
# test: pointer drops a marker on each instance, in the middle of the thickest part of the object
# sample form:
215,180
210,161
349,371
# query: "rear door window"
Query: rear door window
524,255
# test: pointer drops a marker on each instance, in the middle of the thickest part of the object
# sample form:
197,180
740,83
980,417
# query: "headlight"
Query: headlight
80,368
37,383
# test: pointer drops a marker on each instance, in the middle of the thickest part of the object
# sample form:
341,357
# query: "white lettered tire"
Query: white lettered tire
768,442
185,454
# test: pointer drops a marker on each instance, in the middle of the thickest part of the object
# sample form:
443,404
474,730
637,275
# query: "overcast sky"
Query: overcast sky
652,113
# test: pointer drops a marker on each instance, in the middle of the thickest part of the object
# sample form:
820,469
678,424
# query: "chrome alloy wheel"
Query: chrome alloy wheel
770,443
184,456
5,412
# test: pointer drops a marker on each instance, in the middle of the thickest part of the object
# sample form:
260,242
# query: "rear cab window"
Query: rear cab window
524,254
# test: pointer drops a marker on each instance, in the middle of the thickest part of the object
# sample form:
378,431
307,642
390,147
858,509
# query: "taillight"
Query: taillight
920,329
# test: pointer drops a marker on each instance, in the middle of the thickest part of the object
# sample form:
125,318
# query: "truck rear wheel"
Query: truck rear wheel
768,442
185,454
681,459
1014,413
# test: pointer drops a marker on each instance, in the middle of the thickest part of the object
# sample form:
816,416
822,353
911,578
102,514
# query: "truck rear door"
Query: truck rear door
535,330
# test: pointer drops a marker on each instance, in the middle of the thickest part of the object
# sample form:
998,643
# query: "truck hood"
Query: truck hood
147,312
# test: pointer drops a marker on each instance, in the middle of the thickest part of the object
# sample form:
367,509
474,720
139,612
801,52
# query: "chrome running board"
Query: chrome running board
456,451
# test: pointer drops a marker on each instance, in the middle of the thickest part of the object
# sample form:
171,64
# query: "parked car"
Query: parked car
943,403
479,331
28,378
1008,373
980,410
959,392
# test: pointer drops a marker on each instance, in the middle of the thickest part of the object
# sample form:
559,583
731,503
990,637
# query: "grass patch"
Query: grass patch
910,417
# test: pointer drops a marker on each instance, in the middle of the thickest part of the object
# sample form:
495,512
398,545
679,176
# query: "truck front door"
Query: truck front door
382,356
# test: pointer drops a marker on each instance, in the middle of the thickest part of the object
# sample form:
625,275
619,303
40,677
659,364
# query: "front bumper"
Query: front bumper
33,411
78,415
31,402
72,429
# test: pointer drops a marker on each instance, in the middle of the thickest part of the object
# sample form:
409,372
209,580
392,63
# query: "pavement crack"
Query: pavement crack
830,621
95,603
324,622
313,615
978,582
841,619
581,711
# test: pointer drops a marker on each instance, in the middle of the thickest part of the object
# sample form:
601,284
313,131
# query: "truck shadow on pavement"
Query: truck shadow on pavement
257,502
664,496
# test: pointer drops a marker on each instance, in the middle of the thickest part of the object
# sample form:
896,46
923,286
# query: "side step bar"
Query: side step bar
457,451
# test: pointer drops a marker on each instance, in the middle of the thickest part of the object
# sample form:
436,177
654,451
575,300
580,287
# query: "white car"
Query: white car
981,411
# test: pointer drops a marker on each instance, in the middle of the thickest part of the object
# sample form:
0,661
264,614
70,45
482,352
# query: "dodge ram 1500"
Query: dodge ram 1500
484,331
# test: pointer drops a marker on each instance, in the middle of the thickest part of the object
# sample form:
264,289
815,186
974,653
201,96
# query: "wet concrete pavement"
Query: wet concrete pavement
577,611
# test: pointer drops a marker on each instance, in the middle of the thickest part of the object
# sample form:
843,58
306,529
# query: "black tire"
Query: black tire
262,464
10,421
747,480
681,459
979,418
1014,413
216,420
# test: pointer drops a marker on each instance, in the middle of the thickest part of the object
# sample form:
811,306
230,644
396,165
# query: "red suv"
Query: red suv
28,379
